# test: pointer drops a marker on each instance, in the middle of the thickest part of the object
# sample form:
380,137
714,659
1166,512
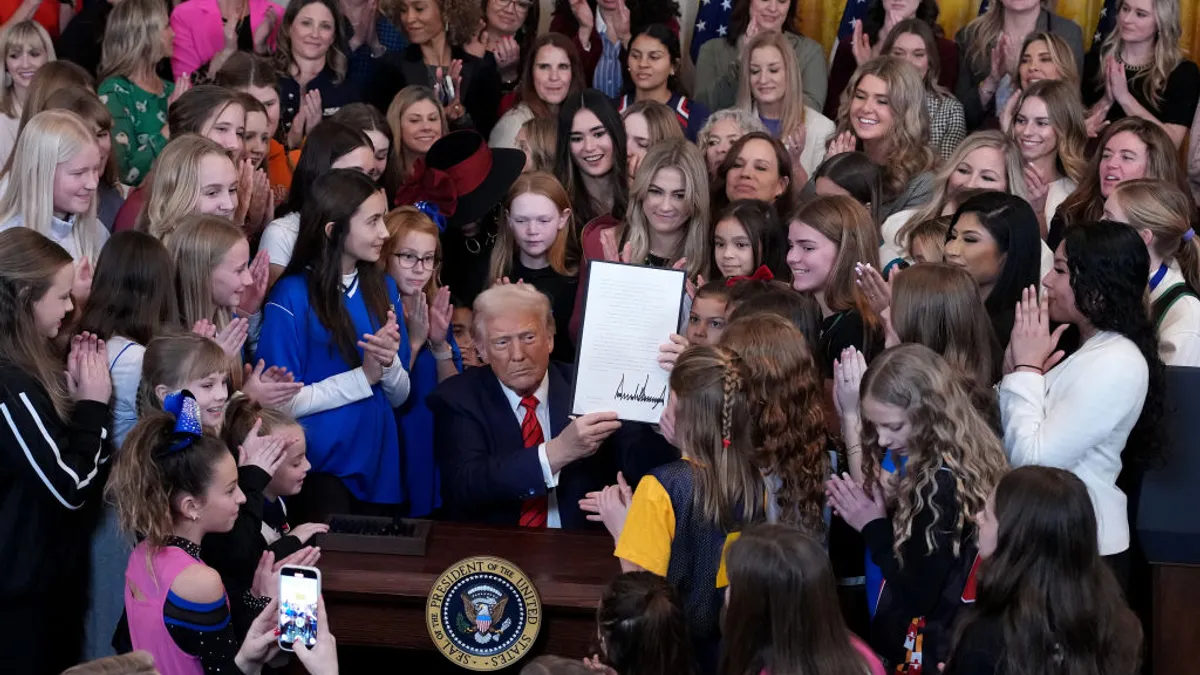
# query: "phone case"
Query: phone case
297,618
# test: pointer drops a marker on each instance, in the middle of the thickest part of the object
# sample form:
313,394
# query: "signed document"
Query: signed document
629,310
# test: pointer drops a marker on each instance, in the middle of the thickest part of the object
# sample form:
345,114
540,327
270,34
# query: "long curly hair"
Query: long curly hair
1108,263
1086,203
1058,604
947,432
908,143
786,394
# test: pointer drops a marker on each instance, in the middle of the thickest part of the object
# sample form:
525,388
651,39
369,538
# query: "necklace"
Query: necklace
1136,69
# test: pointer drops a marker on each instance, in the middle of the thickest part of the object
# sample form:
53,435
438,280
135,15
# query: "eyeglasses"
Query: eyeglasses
524,5
409,261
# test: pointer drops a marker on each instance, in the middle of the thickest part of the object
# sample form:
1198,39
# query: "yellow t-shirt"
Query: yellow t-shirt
650,530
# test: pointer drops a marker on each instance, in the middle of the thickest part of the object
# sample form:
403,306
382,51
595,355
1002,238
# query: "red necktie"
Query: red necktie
533,510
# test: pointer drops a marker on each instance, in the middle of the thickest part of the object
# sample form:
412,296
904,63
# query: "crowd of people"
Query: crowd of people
260,266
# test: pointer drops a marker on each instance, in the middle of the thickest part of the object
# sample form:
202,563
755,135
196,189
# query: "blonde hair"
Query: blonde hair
28,264
542,135
1066,113
947,432
174,185
133,38
1167,53
847,223
197,247
908,144
793,100
404,100
1060,56
51,138
661,121
1165,211
26,34
1014,172
399,223
546,185
686,158
508,299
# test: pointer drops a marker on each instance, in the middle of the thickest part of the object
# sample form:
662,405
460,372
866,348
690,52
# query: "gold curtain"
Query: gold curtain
819,19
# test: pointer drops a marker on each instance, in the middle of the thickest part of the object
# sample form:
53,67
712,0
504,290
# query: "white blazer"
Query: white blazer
1078,417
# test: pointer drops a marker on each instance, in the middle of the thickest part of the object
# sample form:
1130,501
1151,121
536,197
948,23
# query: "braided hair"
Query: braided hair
714,431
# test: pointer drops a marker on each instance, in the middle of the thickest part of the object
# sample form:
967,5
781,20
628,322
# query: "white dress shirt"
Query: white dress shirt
543,417
1077,417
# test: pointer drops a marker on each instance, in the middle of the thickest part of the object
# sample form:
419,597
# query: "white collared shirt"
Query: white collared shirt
543,417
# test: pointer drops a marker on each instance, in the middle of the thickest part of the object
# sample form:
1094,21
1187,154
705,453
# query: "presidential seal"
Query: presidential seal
483,613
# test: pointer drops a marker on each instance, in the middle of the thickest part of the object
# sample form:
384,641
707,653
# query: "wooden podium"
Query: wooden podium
377,600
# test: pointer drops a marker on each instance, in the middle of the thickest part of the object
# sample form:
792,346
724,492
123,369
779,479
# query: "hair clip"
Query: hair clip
1187,236
763,273
435,214
726,442
188,427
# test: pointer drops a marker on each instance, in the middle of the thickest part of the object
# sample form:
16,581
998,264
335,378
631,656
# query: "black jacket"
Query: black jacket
235,553
50,469
480,93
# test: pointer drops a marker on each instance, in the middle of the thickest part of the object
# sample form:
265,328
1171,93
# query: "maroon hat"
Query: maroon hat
462,176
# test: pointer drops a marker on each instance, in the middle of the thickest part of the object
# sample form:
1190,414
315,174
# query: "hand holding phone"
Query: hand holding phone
299,597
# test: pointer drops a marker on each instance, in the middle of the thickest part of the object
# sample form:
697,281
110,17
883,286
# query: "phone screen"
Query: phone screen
299,589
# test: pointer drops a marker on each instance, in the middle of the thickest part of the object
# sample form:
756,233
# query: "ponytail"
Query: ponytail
1188,257
642,627
146,479
1169,214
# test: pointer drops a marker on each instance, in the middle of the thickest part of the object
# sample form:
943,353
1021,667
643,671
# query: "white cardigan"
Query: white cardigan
1078,417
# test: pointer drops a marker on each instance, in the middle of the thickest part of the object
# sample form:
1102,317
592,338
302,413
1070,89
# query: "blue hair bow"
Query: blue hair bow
435,214
188,427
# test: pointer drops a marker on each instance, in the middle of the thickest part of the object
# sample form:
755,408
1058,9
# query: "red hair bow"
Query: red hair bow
430,185
763,273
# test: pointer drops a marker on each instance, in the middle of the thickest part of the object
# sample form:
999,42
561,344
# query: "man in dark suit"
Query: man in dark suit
508,453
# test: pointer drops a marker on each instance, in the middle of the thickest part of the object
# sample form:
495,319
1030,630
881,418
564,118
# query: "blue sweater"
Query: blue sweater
422,480
357,442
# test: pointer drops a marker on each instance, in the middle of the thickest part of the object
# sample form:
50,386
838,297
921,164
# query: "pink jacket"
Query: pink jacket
199,33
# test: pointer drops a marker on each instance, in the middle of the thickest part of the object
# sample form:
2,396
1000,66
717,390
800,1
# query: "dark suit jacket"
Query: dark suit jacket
480,93
486,469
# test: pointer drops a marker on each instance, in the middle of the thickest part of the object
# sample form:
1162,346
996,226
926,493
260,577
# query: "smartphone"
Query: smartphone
299,590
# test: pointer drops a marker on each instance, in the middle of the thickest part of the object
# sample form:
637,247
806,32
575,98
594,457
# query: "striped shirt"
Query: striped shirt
607,77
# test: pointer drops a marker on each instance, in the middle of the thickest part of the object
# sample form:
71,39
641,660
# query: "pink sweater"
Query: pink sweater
199,33
874,665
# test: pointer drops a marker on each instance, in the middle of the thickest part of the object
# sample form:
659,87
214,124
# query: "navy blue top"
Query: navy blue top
333,95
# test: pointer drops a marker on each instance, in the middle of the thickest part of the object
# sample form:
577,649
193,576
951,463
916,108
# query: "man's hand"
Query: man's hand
580,439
